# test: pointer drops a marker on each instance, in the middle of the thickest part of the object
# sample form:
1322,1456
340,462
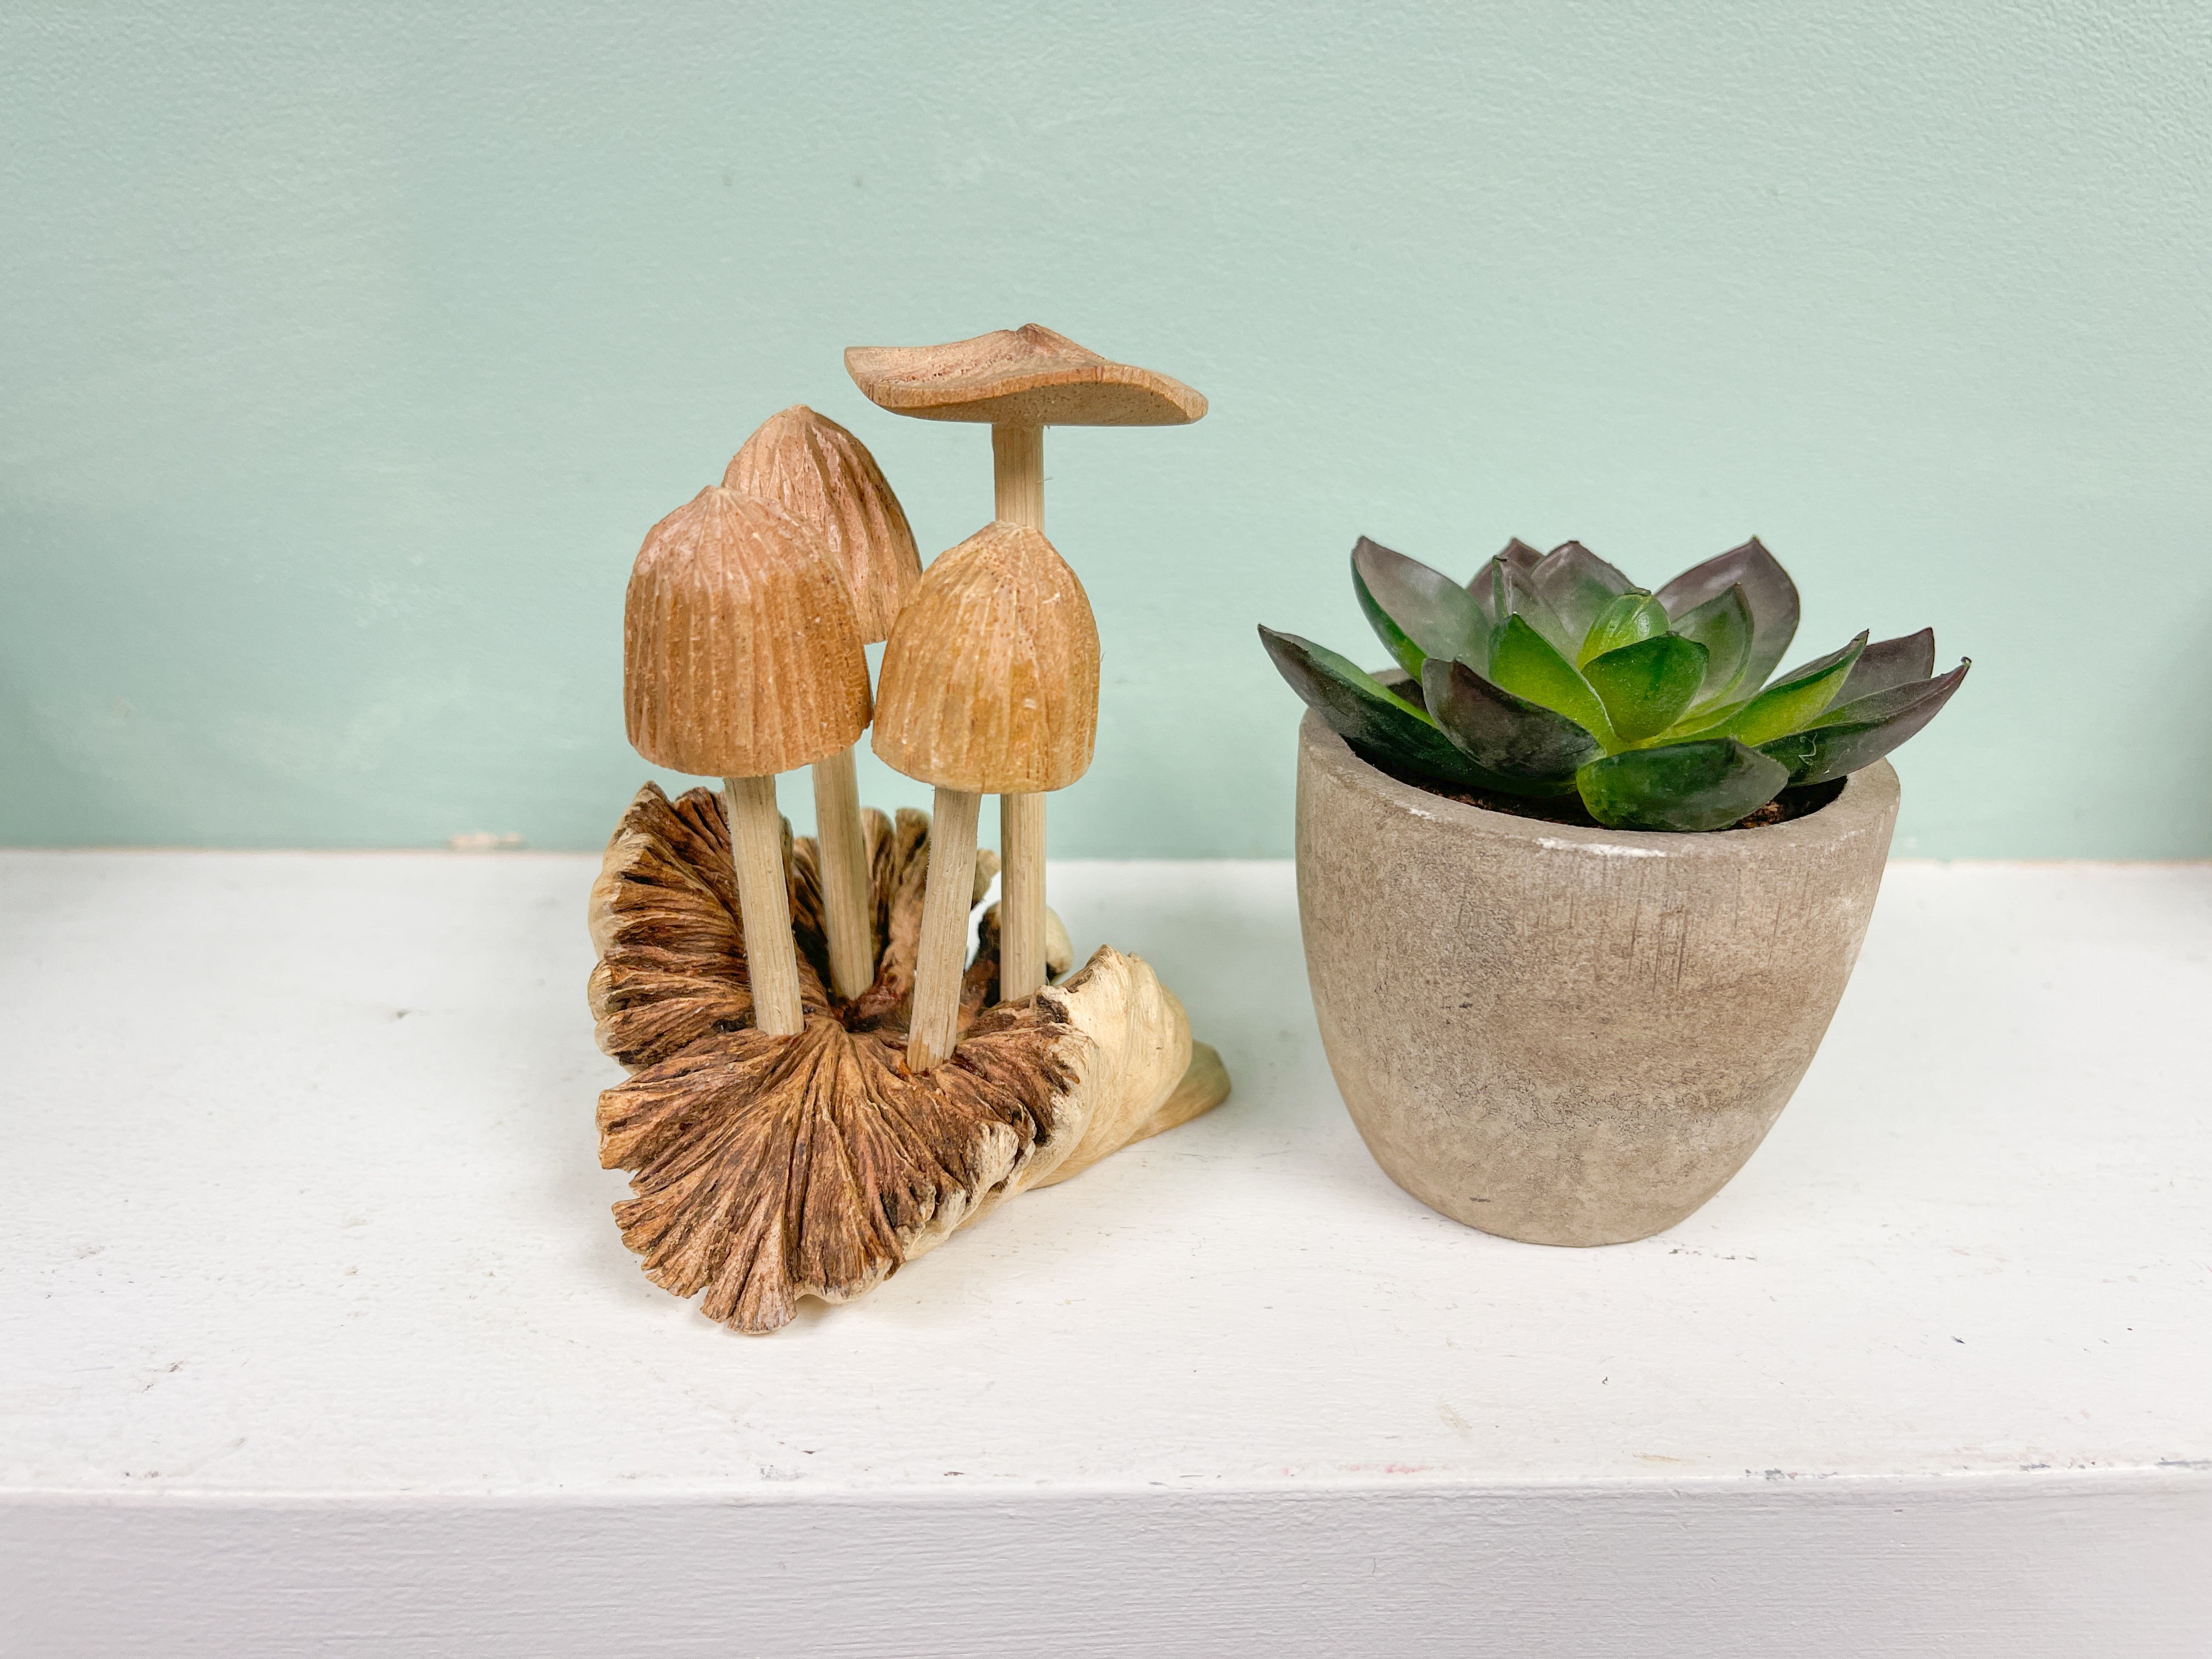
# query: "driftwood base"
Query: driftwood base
770,1169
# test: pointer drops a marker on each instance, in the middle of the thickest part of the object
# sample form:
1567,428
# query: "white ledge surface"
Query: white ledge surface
311,1307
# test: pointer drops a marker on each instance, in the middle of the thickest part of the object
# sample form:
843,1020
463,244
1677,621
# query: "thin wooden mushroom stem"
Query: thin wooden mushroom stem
948,897
844,876
1018,470
764,904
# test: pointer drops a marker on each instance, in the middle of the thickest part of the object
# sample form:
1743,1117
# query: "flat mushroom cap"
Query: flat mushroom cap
824,475
990,683
741,658
1025,376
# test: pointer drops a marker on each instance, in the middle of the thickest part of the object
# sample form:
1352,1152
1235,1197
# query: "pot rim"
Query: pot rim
1870,796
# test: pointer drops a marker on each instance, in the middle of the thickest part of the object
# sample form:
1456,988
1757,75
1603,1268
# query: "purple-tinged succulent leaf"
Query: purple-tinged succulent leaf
1722,625
1646,686
1797,699
1705,785
1376,721
1525,663
1578,585
1767,589
1417,612
1533,749
1625,619
1887,663
1861,732
1518,555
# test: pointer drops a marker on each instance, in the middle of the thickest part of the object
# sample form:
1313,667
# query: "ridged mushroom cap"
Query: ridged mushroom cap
741,657
1025,376
824,476
990,682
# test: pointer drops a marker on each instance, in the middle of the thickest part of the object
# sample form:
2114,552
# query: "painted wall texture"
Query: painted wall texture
351,350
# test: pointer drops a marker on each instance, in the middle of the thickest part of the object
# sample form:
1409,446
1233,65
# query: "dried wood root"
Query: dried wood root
767,1168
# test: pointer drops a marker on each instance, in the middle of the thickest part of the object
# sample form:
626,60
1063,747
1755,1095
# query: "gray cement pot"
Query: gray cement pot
1563,1034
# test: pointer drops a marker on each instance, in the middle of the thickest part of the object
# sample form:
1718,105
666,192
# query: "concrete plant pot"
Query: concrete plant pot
1570,1036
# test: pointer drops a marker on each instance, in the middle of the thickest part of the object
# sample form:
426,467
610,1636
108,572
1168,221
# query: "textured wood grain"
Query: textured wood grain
768,1169
825,477
990,683
1025,376
1018,475
935,1025
844,874
741,656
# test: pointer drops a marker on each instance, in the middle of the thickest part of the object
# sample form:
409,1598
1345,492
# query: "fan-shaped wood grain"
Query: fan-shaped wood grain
741,655
825,477
1025,376
990,683
767,1169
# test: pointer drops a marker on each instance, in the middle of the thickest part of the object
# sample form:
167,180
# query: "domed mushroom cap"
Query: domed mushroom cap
824,476
1025,376
741,657
990,683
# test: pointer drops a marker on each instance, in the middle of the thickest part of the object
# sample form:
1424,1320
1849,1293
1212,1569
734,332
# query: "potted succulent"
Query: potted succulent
1581,881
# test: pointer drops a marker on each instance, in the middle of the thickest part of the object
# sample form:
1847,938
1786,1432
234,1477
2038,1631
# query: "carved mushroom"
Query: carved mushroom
1020,381
824,477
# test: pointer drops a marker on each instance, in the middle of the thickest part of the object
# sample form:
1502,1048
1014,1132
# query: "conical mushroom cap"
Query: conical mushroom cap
824,476
741,658
990,683
1025,376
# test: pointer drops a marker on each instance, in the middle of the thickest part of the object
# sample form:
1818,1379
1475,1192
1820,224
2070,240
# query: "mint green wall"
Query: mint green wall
351,350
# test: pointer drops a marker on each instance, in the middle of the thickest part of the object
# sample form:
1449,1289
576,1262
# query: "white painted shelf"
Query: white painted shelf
315,1335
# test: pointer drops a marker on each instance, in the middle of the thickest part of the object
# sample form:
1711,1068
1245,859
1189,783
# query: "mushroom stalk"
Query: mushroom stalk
1017,471
949,891
764,903
844,855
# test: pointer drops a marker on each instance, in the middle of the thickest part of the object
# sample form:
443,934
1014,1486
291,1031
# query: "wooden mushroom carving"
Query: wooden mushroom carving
741,658
1020,381
990,686
825,477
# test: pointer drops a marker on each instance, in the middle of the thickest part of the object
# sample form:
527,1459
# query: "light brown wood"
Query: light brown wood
825,477
1026,376
1017,474
741,655
1018,467
990,683
764,903
769,1171
934,1029
1021,850
844,875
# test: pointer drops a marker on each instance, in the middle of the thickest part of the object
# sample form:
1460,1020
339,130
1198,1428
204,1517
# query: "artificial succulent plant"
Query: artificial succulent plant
1551,672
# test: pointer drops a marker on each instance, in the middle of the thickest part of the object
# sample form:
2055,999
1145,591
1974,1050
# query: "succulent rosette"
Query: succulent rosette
1551,673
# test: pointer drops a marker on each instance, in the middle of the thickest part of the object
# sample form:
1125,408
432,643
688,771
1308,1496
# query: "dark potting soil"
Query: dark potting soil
1568,808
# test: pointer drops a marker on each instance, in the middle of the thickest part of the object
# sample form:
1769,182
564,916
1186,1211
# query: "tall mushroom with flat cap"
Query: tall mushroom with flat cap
742,659
824,476
990,686
1020,381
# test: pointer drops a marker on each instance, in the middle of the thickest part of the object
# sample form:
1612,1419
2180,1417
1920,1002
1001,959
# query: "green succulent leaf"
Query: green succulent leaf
1705,785
1887,663
1722,625
1769,593
1646,686
1525,663
1373,719
1796,700
1533,749
1417,612
1625,619
1578,585
1860,732
1510,592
